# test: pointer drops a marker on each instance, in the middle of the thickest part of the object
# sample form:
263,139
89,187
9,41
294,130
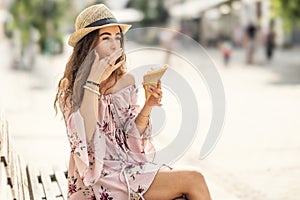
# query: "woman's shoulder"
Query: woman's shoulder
129,79
125,81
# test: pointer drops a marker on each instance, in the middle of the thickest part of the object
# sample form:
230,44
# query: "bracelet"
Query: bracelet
93,83
139,123
144,115
92,90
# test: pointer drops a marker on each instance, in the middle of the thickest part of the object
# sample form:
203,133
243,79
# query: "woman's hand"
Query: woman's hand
103,68
155,95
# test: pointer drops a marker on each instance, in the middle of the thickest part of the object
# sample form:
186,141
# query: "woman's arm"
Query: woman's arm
100,71
142,119
89,111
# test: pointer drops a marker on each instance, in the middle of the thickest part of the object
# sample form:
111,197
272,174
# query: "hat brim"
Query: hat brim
78,35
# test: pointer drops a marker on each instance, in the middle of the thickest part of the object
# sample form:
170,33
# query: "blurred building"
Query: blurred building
203,20
208,21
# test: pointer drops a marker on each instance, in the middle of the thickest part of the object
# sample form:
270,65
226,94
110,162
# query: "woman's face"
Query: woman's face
109,40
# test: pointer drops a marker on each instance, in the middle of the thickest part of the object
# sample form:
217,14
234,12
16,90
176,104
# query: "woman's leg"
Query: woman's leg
169,185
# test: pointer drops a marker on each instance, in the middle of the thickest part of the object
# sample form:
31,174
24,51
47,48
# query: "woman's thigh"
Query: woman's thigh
172,184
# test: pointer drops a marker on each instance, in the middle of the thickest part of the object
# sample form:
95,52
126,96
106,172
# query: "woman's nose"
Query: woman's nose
115,43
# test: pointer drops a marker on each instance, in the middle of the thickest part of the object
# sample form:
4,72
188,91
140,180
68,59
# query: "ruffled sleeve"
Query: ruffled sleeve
88,157
145,138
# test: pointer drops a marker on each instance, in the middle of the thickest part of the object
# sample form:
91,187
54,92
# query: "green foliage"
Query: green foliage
289,10
44,15
154,11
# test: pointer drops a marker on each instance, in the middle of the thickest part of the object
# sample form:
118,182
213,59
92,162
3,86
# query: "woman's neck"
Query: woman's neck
110,85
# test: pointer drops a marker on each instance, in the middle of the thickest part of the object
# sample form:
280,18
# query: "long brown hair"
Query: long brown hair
77,63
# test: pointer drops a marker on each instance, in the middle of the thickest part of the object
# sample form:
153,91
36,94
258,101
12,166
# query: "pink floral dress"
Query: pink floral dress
113,165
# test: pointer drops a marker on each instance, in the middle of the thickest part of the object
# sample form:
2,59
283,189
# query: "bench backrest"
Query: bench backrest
20,181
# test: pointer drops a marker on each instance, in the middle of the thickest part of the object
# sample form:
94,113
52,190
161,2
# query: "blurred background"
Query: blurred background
44,23
255,45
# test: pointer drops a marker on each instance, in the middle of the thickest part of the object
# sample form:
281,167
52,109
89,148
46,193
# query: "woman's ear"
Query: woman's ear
64,84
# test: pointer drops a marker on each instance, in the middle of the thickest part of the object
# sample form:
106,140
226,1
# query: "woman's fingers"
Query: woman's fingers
155,91
119,64
111,59
96,56
155,94
159,84
110,68
103,67
106,65
96,59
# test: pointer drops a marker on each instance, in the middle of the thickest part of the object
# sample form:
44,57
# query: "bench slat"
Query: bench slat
4,140
35,187
6,192
51,188
24,180
62,182
14,169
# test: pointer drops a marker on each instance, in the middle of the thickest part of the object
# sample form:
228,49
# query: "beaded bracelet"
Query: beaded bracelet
141,123
93,83
144,115
92,90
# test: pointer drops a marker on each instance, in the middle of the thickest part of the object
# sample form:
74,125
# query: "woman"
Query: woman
109,138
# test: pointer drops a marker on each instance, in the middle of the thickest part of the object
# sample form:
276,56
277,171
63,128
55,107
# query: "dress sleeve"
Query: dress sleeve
88,157
146,136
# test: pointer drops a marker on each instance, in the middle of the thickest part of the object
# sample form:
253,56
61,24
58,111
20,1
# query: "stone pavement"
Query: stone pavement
256,158
258,154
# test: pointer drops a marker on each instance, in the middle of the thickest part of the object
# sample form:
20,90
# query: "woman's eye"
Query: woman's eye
105,38
118,38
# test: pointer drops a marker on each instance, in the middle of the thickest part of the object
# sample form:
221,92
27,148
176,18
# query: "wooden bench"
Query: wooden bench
20,181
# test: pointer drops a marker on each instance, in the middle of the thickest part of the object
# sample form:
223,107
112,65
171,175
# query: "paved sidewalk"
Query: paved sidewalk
258,154
256,158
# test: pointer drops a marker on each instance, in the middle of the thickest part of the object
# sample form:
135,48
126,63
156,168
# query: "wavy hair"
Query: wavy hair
77,70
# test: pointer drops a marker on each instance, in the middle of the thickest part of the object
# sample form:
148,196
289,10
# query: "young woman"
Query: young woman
109,136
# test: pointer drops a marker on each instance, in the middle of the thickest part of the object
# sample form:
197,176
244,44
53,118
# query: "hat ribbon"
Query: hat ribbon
102,22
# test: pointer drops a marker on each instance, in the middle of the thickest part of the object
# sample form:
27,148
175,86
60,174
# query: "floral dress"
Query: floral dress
115,163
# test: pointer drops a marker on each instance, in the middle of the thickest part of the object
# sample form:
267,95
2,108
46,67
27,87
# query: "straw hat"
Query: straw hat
93,18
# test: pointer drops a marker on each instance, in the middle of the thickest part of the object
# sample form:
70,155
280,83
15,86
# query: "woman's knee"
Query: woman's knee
201,181
197,178
198,186
191,179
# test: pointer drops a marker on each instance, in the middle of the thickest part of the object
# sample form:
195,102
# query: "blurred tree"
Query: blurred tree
289,10
45,16
155,12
